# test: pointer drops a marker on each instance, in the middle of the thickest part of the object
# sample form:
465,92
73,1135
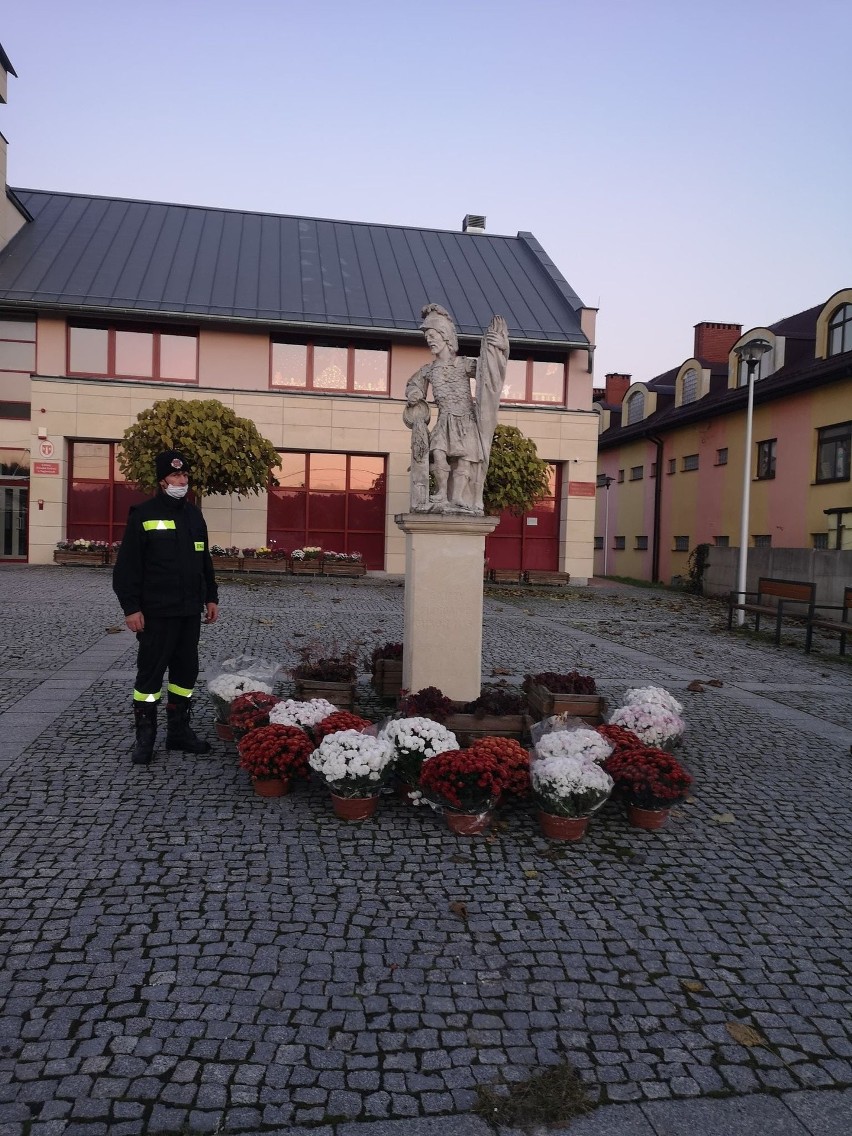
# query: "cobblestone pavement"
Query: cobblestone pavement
180,956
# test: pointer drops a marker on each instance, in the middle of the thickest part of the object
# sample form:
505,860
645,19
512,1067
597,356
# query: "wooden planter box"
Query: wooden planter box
95,559
227,563
339,694
259,564
534,576
387,677
544,703
306,568
505,575
343,568
467,727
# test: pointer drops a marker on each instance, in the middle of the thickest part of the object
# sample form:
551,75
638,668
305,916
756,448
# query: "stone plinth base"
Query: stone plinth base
444,555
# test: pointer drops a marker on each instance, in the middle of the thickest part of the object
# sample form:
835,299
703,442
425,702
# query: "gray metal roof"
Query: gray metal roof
99,254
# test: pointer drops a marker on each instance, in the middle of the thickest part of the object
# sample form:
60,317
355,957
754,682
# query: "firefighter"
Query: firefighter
164,580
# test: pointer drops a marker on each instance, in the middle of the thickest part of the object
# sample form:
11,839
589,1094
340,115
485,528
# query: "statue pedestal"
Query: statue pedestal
444,555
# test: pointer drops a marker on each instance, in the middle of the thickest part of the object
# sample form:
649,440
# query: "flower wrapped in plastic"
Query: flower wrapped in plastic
463,780
652,723
275,751
583,744
353,764
290,712
514,762
251,711
224,688
414,740
648,777
569,786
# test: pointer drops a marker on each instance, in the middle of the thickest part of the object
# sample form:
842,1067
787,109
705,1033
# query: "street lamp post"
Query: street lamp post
749,353
605,480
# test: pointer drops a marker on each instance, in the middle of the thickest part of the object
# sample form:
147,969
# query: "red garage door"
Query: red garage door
530,541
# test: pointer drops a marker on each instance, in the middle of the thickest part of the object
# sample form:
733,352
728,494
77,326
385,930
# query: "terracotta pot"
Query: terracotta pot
354,808
650,819
271,786
224,732
467,824
562,828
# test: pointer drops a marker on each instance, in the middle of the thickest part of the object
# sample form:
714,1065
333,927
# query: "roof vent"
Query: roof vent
473,224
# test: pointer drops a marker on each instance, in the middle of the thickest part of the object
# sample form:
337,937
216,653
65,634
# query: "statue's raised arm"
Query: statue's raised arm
459,445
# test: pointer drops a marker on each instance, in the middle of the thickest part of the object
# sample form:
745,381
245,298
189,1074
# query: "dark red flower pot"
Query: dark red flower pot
354,808
652,820
562,828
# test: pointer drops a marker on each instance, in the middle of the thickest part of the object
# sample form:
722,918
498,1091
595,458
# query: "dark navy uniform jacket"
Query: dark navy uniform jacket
163,567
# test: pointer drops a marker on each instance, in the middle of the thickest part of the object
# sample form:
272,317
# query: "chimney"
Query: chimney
713,341
616,388
473,223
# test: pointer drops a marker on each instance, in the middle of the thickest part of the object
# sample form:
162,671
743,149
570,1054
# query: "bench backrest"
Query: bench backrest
787,589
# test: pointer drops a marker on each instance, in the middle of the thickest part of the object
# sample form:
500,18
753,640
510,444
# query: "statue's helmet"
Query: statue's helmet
439,319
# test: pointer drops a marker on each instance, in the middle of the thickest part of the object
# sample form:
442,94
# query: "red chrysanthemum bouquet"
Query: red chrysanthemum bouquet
340,720
275,752
463,780
647,777
513,761
251,711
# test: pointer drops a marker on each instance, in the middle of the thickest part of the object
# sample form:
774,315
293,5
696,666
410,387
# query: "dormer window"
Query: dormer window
840,330
635,407
759,371
690,387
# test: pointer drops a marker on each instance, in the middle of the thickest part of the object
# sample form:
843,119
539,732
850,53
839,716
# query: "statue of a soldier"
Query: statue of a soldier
459,444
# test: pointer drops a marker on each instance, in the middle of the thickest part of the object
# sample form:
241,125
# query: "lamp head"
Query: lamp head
751,352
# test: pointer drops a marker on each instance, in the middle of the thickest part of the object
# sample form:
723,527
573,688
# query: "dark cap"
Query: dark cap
172,461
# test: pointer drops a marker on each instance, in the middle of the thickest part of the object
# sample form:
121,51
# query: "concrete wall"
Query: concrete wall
830,570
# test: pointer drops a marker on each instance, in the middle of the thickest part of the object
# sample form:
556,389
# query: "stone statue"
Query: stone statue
459,443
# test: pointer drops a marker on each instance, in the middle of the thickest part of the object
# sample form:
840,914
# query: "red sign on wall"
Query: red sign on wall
46,469
581,488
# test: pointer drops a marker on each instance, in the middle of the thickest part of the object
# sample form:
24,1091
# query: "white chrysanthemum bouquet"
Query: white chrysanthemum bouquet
414,740
353,764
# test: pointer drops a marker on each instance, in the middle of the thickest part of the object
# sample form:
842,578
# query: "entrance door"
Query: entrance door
14,503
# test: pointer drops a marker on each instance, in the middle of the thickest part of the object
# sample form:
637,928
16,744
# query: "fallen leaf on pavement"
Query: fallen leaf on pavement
745,1035
500,671
692,984
114,630
531,873
696,686
459,909
724,818
715,682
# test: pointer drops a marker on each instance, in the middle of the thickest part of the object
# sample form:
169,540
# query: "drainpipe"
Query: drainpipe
658,493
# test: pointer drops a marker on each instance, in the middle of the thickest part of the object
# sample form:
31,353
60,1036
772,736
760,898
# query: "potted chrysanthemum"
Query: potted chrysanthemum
567,789
223,690
414,740
655,723
466,784
650,780
273,756
308,714
250,711
354,766
513,760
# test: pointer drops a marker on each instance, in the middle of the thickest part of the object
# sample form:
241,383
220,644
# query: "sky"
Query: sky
679,162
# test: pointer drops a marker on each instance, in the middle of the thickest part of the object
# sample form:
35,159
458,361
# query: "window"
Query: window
763,541
133,353
722,541
766,459
328,365
598,543
722,456
819,540
535,380
653,469
840,330
689,389
99,497
17,345
618,542
620,476
833,448
681,544
759,371
641,543
636,407
637,472
690,461
672,465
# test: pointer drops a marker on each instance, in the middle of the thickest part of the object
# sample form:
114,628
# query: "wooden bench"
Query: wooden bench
841,623
790,596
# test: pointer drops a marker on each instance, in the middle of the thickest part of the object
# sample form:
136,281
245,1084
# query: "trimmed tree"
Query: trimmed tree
226,454
517,477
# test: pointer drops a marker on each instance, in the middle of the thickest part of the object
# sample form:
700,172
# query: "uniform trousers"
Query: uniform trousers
167,644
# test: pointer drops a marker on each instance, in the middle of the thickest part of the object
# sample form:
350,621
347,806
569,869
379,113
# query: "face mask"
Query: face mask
177,491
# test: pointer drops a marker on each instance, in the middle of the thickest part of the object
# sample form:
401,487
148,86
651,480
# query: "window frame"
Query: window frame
111,329
721,541
819,541
844,431
30,322
722,456
637,473
767,446
761,540
684,467
841,320
672,467
620,477
310,345
619,543
529,383
641,544
680,544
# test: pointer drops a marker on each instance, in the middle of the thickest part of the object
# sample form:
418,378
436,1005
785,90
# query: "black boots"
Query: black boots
145,717
180,735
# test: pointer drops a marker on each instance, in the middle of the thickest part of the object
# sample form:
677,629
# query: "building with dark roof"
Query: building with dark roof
671,451
308,327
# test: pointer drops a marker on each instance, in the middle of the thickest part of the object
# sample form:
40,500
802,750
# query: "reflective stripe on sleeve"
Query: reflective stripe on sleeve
153,526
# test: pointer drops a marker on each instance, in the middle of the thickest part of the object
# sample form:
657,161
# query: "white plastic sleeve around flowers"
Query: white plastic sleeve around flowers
263,670
558,723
